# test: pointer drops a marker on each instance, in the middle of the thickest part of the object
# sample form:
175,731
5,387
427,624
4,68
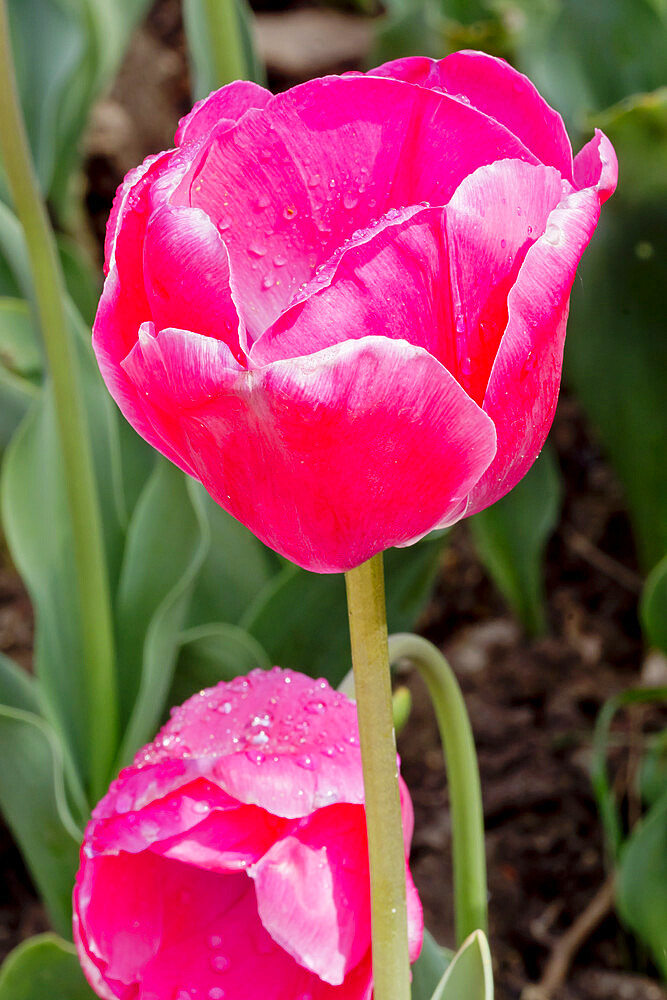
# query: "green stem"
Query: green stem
465,794
225,41
372,683
89,555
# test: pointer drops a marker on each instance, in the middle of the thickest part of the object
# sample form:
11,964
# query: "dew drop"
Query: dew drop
260,738
224,224
201,807
279,260
255,756
220,963
503,243
263,202
225,708
313,180
350,200
306,762
215,941
553,234
518,210
216,993
257,250
530,229
315,707
460,324
269,281
467,366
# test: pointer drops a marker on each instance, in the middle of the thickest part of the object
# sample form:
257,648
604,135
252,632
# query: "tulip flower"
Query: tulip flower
343,308
230,860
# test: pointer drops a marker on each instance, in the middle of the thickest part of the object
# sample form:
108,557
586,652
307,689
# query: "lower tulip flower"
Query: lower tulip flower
343,307
230,860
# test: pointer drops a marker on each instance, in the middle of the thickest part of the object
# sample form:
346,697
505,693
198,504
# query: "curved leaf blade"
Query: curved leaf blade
44,966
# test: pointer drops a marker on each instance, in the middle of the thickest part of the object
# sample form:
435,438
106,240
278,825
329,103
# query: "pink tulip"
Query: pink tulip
343,308
230,860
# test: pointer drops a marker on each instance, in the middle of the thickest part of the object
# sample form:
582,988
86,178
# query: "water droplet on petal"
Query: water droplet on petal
224,224
460,324
269,281
215,941
315,707
220,963
306,762
530,229
263,202
201,807
503,243
313,180
216,993
257,250
553,234
350,200
255,756
279,260
260,738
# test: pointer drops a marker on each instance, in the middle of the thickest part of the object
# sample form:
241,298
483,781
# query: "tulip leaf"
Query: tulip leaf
511,537
20,362
584,55
43,967
470,976
429,968
236,569
642,882
653,608
37,523
207,52
40,821
300,618
17,687
653,769
616,350
167,541
210,654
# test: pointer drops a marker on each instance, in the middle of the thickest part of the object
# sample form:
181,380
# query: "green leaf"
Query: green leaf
236,569
204,60
300,618
82,282
429,968
616,349
653,769
166,544
17,687
653,606
511,537
642,882
470,976
43,967
36,520
20,361
584,55
213,653
40,821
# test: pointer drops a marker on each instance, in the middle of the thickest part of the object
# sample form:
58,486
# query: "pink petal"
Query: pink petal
596,166
332,466
523,387
186,276
493,218
494,87
225,105
388,281
313,892
415,918
282,742
154,927
288,184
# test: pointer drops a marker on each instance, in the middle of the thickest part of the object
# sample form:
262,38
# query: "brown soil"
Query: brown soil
532,702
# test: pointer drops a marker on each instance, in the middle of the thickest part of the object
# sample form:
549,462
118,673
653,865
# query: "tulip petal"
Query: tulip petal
339,162
388,281
332,467
596,166
227,104
493,218
313,892
523,388
186,276
494,87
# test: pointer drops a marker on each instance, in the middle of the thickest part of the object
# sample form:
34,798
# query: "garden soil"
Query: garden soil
533,701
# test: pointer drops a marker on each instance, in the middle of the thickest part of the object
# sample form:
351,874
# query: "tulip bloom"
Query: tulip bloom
230,860
343,308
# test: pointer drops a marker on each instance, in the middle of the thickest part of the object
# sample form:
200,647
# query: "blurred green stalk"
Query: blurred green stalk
226,44
386,854
465,794
49,291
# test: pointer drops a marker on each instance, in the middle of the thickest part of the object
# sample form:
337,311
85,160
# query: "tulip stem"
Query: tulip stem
49,293
226,46
372,683
465,794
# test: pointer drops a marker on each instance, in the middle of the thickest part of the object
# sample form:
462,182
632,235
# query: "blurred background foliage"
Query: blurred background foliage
214,601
